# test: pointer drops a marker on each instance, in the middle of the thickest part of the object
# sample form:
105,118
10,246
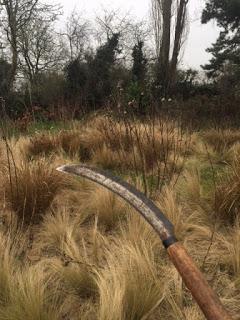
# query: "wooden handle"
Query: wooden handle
207,300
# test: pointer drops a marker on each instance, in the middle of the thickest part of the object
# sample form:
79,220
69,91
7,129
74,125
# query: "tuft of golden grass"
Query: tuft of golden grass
1,150
169,205
105,205
25,290
206,152
7,267
227,195
75,269
56,229
230,243
30,297
106,158
41,144
136,231
72,143
129,285
221,139
77,278
31,188
190,187
193,313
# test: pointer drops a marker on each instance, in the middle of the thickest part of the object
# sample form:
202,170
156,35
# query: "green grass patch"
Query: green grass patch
211,175
50,126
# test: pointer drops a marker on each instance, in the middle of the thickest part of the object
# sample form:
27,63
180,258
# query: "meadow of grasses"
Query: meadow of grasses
73,250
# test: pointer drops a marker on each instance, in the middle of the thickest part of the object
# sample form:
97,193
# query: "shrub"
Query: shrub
155,149
30,192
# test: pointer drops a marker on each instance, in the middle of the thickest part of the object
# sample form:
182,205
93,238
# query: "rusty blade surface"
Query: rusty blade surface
126,191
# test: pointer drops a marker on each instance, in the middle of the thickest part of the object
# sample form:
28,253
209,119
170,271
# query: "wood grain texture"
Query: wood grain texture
194,280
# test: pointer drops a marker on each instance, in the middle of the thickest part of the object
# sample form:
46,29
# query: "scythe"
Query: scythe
194,280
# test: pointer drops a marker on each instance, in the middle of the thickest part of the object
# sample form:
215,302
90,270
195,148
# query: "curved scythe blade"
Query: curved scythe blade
134,197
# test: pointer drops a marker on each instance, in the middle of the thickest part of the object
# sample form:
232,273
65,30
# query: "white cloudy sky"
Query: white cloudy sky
200,36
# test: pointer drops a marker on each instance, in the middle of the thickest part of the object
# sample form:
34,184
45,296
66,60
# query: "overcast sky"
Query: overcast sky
200,36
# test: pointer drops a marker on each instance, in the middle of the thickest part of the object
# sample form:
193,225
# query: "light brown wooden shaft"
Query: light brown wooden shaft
207,300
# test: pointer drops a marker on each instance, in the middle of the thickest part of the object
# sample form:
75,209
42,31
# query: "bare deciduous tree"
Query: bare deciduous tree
16,16
40,50
169,19
111,21
130,30
77,34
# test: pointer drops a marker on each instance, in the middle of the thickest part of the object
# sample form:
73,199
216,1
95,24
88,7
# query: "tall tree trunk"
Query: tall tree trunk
156,13
180,24
163,15
13,71
166,41
11,9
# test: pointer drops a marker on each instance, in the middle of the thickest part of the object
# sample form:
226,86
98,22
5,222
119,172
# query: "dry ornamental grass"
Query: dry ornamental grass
85,254
31,189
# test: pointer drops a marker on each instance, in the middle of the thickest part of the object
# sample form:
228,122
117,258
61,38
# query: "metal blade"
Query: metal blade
135,198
